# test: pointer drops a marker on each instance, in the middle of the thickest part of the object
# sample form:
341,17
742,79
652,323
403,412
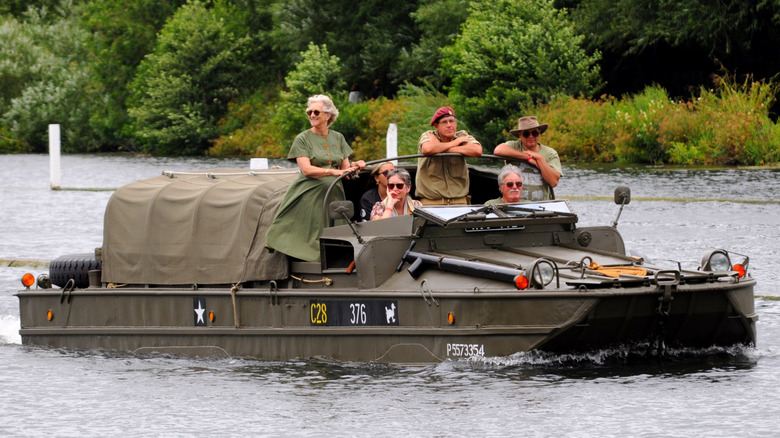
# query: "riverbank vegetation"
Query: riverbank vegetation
231,77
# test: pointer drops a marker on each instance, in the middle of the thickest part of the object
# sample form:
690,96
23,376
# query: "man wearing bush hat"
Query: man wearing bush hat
539,180
444,180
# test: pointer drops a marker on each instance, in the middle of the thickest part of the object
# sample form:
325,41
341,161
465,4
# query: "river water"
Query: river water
675,214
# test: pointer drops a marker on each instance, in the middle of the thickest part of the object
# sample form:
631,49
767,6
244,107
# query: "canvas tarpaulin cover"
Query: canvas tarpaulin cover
203,227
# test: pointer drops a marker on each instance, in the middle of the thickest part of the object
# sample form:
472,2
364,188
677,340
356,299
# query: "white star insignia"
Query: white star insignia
200,311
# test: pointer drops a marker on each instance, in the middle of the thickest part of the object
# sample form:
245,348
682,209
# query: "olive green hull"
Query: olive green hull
287,324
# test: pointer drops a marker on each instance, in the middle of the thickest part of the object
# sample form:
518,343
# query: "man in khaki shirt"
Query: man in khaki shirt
540,180
444,180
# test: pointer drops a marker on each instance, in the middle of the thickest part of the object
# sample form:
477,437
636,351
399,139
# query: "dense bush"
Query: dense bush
729,124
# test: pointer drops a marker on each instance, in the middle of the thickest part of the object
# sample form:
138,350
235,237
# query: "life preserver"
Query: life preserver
73,266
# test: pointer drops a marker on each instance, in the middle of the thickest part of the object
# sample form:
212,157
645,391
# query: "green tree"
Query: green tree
680,44
18,8
121,34
44,79
18,54
200,63
438,23
367,36
511,55
318,72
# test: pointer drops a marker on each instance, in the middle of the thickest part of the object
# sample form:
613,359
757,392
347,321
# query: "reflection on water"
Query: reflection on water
617,392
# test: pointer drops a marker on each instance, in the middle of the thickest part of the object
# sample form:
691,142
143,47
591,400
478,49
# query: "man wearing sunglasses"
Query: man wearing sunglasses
510,184
444,180
537,184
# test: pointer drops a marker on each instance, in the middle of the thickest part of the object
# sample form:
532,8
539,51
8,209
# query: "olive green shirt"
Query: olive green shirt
495,201
442,177
535,188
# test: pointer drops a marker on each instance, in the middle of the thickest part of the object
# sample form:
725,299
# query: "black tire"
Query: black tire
75,266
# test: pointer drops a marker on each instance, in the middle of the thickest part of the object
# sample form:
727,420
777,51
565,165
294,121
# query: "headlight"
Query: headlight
542,272
717,260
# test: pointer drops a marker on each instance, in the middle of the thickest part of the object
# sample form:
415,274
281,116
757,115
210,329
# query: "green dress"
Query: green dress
297,228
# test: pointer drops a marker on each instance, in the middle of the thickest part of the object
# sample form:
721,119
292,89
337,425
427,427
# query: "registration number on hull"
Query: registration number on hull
465,350
353,313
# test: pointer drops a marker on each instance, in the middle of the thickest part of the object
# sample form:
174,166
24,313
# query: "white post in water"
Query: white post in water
54,156
392,142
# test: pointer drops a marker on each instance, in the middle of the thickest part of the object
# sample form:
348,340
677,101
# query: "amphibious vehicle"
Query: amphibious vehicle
183,269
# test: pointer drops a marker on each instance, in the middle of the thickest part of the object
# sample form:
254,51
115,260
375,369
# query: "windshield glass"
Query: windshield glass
445,213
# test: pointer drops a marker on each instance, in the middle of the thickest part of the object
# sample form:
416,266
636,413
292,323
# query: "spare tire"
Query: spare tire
75,266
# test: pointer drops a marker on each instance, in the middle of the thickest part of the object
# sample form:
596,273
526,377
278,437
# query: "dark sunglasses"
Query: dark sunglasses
511,184
535,133
398,186
384,173
309,112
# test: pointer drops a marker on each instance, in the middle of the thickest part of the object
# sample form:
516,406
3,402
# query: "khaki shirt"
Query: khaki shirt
534,186
442,177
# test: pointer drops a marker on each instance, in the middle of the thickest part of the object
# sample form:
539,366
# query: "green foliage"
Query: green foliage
249,128
318,72
678,43
367,35
182,89
121,34
636,126
367,124
511,55
438,22
727,125
44,78
189,76
9,145
18,8
580,129
733,124
633,26
18,55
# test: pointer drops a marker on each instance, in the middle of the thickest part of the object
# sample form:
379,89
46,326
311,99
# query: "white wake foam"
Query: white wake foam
9,330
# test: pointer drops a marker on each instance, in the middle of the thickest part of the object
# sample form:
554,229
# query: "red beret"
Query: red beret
442,112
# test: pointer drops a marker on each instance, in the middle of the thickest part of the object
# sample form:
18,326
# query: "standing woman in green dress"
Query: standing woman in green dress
322,154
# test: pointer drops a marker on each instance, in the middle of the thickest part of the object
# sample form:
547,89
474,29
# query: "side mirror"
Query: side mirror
622,195
338,209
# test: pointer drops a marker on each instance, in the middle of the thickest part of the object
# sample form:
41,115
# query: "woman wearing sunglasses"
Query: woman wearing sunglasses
375,194
537,185
322,154
510,184
397,202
